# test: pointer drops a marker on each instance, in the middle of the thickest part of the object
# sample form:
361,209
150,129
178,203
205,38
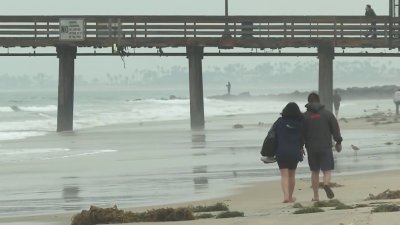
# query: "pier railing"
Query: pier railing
112,28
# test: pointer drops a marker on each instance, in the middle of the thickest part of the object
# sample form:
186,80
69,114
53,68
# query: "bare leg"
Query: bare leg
327,177
285,184
292,183
315,184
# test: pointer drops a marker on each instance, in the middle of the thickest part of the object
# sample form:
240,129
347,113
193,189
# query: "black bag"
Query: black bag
269,146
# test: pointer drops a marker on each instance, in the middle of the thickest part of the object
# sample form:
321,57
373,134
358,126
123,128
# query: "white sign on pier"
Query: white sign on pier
72,29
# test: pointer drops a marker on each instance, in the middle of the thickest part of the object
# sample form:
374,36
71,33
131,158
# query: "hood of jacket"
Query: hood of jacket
314,107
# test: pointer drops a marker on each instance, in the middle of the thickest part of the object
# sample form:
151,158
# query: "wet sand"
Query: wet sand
261,201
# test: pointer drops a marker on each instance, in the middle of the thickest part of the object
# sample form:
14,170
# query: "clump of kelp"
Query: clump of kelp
336,204
311,209
211,208
386,208
96,215
388,194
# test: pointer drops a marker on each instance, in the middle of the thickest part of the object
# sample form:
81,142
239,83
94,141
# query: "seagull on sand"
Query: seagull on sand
355,148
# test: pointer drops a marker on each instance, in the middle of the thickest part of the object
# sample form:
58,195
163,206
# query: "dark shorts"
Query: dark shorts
321,160
291,165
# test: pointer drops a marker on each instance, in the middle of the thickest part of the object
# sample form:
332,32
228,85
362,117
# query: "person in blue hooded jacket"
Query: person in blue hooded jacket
289,150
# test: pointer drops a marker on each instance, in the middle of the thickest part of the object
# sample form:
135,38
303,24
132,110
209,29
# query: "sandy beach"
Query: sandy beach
261,204
261,201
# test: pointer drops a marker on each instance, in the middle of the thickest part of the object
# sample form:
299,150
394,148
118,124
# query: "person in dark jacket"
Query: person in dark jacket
369,12
289,149
320,125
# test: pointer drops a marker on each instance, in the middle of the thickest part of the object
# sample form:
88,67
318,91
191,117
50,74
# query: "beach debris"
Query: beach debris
219,206
388,194
298,205
15,108
361,205
332,203
344,120
238,126
311,209
97,215
229,214
386,208
388,143
206,211
331,185
262,124
204,216
200,180
342,206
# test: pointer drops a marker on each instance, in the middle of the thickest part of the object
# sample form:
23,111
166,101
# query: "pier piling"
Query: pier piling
66,56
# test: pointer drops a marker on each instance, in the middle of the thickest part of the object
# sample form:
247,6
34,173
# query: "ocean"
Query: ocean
135,149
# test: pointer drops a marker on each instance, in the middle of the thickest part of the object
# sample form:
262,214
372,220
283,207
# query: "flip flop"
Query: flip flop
329,192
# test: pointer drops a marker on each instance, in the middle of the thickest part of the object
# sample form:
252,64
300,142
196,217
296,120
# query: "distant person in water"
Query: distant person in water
289,147
336,102
369,12
396,100
228,86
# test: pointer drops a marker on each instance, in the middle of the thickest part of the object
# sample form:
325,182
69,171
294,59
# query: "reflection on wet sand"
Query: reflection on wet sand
70,194
200,181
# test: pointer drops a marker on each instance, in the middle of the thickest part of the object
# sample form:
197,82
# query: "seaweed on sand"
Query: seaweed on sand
311,209
96,215
386,208
338,205
229,214
212,208
388,194
298,205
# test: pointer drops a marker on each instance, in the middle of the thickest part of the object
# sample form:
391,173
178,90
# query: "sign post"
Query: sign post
72,29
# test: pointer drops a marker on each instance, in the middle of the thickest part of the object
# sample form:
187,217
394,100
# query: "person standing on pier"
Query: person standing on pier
396,100
369,13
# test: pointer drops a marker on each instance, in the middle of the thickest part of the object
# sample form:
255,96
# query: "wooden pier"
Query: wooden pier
195,33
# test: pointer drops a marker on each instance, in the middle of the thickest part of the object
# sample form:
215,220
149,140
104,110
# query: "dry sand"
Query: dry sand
261,202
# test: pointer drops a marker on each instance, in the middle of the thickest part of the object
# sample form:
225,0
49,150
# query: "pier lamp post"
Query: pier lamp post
226,8
227,33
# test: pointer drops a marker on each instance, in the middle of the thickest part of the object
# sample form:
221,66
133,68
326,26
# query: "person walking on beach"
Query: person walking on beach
320,125
369,12
228,85
396,100
289,149
336,102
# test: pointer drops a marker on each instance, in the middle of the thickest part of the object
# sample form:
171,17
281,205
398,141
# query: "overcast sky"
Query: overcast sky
190,7
100,65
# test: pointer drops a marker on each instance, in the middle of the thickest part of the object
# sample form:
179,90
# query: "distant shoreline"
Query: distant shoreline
375,92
